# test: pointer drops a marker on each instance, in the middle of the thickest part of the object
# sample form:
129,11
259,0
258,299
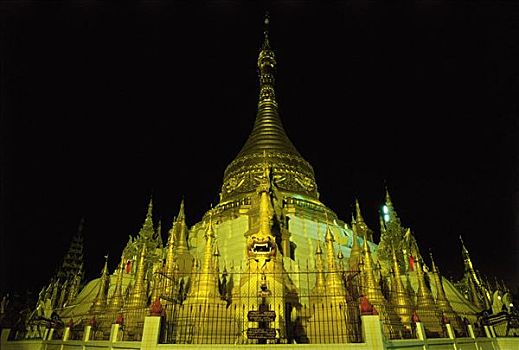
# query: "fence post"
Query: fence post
372,332
471,331
420,331
66,333
114,332
450,331
150,332
5,335
492,331
487,332
86,335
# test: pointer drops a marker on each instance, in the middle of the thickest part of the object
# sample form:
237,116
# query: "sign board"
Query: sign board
261,333
261,316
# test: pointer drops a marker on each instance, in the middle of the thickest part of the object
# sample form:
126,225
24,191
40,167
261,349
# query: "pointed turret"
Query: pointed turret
101,298
75,285
147,232
399,296
74,257
389,212
319,289
117,301
334,282
355,253
181,228
138,294
472,280
268,135
425,305
170,265
441,298
442,302
205,285
469,267
362,227
371,288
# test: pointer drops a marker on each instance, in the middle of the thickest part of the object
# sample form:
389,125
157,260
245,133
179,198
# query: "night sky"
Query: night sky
103,105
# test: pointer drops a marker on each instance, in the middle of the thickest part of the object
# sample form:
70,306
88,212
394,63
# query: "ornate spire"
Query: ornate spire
388,198
358,214
441,298
117,301
147,231
268,135
181,228
75,284
171,264
469,267
334,282
205,284
355,253
138,296
371,288
362,227
425,305
99,303
399,296
74,257
320,281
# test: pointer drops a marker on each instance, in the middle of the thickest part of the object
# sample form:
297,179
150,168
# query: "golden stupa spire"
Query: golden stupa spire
182,230
334,282
399,296
440,292
319,289
358,215
147,230
170,265
425,305
268,135
362,227
441,298
138,296
117,300
99,303
205,284
388,198
371,288
355,253
469,267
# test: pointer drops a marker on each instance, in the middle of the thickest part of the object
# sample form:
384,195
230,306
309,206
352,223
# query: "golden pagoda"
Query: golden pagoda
270,263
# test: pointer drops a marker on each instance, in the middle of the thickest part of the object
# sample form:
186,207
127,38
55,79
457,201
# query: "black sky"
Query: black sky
103,104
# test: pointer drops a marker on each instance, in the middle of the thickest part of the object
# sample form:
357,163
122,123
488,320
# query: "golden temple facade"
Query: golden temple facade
271,263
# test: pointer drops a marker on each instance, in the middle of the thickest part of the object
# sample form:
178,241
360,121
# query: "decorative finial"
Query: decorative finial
433,265
318,250
388,197
266,31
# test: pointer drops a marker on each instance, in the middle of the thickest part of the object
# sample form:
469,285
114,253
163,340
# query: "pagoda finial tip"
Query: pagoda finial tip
266,23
